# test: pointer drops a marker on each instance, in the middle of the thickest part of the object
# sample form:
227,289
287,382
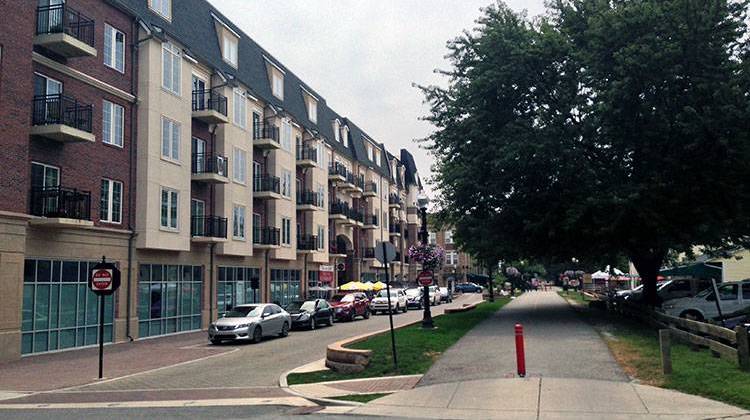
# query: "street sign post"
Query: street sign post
425,278
386,253
103,281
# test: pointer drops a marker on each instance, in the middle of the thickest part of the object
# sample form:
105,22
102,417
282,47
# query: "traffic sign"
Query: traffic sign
425,278
341,267
385,252
104,278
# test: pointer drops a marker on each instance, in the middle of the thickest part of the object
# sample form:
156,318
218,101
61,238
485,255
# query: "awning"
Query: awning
698,270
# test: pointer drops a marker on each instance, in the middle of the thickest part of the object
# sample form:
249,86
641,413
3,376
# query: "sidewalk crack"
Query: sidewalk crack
539,400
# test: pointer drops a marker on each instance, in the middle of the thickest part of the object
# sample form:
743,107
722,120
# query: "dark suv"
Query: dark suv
350,305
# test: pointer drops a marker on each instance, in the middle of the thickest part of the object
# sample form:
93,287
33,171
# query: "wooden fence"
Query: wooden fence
725,343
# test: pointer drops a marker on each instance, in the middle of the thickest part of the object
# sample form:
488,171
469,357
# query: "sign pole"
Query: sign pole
101,336
390,309
104,280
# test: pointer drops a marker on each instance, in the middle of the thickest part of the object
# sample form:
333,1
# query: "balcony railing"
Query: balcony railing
208,99
60,18
307,242
309,198
394,227
266,235
357,216
337,169
340,207
206,163
371,219
307,153
61,109
208,226
371,187
336,249
265,131
267,183
368,252
394,199
68,203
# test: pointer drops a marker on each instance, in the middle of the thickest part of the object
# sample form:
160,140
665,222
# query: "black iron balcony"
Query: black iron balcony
371,189
266,235
394,200
307,242
61,202
309,198
210,106
207,163
394,227
368,252
371,220
307,156
267,183
266,136
62,19
337,169
340,207
208,226
357,216
337,249
61,110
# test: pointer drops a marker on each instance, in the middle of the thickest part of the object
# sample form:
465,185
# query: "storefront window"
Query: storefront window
59,310
237,285
169,299
285,286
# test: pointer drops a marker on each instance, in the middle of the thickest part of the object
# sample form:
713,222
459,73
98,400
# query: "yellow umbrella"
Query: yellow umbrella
352,285
378,286
367,286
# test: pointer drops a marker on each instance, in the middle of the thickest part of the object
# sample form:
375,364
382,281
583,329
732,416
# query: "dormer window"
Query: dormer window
312,111
377,157
369,153
162,7
229,49
336,131
277,84
345,135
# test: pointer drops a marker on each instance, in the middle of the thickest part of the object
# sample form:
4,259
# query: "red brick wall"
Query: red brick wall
16,38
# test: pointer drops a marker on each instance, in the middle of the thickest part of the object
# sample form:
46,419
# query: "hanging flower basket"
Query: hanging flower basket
430,256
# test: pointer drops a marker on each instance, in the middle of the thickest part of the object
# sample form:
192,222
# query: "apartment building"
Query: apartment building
458,266
159,135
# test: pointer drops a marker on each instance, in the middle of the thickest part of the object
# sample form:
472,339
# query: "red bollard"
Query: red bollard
520,356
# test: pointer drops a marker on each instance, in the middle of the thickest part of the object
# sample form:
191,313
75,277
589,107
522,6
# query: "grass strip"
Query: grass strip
362,398
417,349
635,346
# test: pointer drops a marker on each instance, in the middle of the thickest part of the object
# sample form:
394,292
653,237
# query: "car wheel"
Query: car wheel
367,314
405,309
312,323
215,341
330,320
257,335
692,315
284,330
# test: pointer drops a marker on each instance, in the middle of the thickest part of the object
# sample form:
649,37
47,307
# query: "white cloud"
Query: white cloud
362,56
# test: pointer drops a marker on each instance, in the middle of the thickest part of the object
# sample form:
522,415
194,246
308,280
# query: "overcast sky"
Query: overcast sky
362,56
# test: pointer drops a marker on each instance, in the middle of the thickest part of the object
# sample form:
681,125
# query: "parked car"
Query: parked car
434,296
734,297
380,301
445,295
350,305
673,289
414,298
468,288
310,313
250,322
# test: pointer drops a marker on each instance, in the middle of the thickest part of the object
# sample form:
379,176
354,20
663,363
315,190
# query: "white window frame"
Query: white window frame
170,51
173,196
286,231
448,237
312,110
370,153
286,135
239,114
336,131
162,8
239,168
432,238
277,84
345,136
110,211
321,237
230,49
286,183
173,142
110,121
377,157
110,33
239,224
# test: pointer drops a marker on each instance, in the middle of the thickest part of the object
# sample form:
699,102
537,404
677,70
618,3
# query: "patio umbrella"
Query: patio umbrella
351,286
379,285
367,286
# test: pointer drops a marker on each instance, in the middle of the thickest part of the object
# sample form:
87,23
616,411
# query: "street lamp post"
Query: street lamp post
422,202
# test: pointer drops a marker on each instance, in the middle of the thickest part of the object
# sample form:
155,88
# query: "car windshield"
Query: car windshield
384,294
412,292
243,311
343,298
307,306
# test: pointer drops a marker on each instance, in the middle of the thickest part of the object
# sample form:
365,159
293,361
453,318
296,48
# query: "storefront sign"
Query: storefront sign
325,276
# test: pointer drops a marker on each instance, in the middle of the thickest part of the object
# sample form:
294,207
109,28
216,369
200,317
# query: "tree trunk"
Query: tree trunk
492,293
648,265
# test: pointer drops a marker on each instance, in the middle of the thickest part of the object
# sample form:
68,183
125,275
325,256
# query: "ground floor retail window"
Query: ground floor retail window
59,310
237,285
169,299
285,286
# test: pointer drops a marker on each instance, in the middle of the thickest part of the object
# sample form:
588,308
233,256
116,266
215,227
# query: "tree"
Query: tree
606,127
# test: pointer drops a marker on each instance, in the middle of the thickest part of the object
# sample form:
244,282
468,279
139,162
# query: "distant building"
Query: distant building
458,266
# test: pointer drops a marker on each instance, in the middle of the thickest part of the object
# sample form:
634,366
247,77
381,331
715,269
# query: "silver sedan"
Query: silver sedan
250,322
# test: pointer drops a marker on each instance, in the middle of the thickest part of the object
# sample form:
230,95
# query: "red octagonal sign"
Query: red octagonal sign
101,279
425,278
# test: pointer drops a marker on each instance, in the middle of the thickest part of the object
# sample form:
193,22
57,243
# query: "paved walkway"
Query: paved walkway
387,384
558,344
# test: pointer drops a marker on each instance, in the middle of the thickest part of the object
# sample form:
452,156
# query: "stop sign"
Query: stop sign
425,278
101,280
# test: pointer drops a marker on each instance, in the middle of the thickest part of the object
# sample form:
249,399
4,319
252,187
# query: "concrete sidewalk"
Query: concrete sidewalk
546,398
558,344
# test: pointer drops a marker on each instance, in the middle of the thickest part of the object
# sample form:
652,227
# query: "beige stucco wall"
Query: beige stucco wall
12,252
281,160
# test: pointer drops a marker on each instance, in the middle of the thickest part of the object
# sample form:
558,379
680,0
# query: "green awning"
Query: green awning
697,270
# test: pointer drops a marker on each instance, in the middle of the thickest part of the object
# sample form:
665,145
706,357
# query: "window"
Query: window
345,135
728,292
237,285
336,132
169,298
321,237
286,183
369,153
197,214
312,110
110,209
322,155
229,50
114,48
240,108
162,7
377,157
170,139
239,169
113,121
277,84
286,231
746,292
256,124
170,66
238,222
432,238
286,135
448,236
169,201
451,258
285,286
321,195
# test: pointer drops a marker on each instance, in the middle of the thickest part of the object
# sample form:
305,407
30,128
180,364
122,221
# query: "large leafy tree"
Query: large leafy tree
605,127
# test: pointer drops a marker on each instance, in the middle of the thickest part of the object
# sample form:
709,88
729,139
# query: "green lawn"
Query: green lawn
417,349
363,398
636,348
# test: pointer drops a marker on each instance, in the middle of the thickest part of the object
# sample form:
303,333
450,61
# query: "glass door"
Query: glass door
43,178
197,213
257,173
46,90
199,93
199,155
